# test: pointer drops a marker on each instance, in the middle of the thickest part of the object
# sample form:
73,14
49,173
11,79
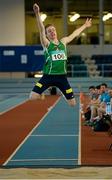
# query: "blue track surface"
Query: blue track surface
54,142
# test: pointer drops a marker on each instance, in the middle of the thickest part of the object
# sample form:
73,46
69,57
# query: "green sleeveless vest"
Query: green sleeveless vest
56,59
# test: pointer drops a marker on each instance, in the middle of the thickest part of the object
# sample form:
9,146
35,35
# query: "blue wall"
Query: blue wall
21,58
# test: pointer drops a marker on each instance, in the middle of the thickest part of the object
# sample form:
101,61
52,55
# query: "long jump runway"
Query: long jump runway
45,134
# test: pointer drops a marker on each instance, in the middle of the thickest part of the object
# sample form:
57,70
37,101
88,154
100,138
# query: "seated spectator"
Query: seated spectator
110,93
94,102
104,99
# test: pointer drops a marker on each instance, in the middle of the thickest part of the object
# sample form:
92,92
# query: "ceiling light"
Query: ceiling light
43,17
38,75
107,16
74,17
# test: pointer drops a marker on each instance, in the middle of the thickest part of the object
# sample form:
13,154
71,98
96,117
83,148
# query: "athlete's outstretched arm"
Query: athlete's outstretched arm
77,32
43,39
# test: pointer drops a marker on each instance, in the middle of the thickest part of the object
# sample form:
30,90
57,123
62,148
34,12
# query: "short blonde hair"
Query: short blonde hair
48,25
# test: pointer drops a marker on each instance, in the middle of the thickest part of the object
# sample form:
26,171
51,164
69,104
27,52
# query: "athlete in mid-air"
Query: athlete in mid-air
55,67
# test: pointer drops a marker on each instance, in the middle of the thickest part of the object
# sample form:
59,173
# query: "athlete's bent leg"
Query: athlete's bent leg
34,96
71,102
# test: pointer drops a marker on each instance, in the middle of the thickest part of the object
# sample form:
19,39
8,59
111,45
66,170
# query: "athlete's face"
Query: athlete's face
51,33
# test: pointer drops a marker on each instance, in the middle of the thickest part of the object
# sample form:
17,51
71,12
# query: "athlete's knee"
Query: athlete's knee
34,96
72,102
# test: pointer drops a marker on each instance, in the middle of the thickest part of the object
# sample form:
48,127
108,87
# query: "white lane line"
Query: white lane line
57,135
79,147
29,134
29,160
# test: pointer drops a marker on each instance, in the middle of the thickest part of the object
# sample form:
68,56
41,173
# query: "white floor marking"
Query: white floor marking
79,147
29,160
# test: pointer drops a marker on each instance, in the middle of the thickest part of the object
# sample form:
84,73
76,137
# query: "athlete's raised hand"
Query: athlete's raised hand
88,22
36,8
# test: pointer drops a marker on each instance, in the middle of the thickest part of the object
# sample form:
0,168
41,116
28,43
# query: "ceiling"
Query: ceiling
84,7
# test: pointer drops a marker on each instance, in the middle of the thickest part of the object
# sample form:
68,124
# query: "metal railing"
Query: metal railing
80,70
105,70
77,70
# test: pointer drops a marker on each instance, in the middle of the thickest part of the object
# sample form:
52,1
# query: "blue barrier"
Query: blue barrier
21,58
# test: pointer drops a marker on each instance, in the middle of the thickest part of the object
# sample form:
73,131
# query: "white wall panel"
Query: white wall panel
12,22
